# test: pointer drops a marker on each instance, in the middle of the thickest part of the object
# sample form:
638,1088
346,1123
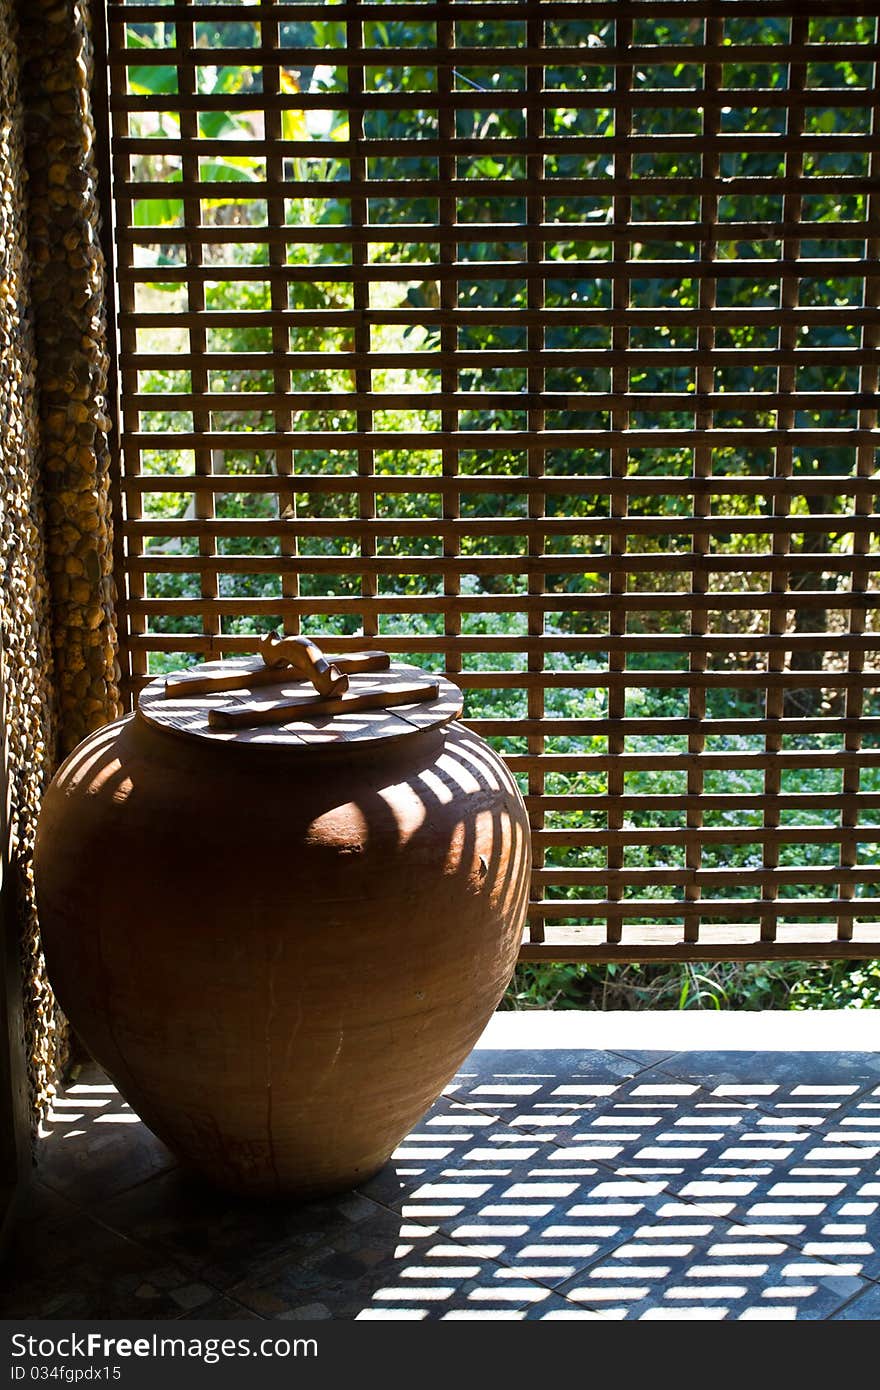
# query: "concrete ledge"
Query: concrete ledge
697,1030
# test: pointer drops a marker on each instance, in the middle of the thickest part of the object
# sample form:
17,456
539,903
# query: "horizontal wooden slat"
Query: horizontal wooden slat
669,838
752,803
489,56
160,561
551,270
570,763
553,726
654,318
497,439
429,361
570,483
512,603
511,234
738,941
432,10
344,189
711,878
588,402
839,523
704,907
777,142
674,98
564,642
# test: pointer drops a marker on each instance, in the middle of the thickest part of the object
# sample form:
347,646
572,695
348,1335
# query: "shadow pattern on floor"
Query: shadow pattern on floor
546,1186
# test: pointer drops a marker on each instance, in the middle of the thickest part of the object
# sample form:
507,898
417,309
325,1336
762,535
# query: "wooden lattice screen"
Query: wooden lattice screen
536,342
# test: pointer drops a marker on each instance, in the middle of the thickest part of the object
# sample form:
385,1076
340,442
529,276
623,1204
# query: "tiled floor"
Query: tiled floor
579,1166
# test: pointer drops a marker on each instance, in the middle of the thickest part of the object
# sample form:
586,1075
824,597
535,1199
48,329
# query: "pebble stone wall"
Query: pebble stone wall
72,362
26,627
56,553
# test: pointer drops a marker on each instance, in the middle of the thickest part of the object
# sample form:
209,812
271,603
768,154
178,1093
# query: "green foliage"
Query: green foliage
710,985
837,985
798,985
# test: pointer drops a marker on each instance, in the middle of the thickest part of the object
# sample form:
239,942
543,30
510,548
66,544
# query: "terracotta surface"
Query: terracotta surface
281,955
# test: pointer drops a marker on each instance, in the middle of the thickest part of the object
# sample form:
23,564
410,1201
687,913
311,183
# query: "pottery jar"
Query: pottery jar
281,942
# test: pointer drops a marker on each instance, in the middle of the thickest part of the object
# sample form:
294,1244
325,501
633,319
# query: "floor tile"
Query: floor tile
503,1080
97,1145
223,1309
856,1069
80,1269
39,1205
227,1239
865,1307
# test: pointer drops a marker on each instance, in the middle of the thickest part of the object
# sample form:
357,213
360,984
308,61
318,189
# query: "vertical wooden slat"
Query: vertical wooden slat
535,254
619,500
447,217
104,149
863,505
363,377
786,379
281,378
704,384
130,582
203,497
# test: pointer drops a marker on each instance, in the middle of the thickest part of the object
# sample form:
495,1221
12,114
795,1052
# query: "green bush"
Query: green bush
726,985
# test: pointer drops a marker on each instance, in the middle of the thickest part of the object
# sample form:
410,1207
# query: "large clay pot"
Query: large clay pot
281,948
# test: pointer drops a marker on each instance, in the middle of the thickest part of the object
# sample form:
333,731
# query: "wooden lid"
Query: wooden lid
187,715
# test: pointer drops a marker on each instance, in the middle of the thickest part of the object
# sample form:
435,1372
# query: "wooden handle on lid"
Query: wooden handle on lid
192,683
307,659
